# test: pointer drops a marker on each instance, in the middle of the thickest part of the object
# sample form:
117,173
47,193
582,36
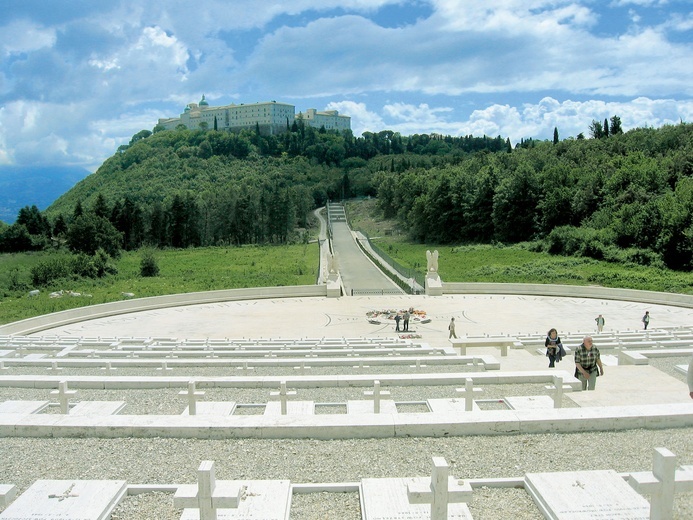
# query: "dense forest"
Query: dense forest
618,196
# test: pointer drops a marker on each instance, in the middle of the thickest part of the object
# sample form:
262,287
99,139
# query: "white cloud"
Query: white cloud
535,120
24,36
362,120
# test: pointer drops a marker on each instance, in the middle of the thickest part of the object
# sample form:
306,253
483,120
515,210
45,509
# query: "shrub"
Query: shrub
46,271
148,265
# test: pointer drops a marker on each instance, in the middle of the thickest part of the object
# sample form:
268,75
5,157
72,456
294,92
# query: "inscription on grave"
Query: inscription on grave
386,499
586,495
67,500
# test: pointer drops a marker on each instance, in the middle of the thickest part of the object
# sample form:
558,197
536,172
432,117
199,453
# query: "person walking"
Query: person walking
406,321
588,364
451,328
397,320
553,347
600,323
646,319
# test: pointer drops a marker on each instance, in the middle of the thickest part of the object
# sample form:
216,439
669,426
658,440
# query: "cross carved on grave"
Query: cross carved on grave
662,483
440,491
208,495
64,495
376,394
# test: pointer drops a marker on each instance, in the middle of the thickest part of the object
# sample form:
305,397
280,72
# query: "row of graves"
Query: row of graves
576,495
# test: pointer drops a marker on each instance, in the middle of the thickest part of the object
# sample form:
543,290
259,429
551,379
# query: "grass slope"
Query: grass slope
181,271
511,264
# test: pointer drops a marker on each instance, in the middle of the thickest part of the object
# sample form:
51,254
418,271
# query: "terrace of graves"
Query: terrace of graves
215,373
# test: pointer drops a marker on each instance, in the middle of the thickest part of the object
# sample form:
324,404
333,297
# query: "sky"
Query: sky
79,77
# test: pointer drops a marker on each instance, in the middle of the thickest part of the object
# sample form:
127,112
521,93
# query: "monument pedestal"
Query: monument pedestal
334,285
434,285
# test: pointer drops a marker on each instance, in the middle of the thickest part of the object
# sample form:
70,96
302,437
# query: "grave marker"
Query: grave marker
282,395
67,500
586,495
192,395
376,394
63,395
440,491
208,495
468,392
388,498
662,483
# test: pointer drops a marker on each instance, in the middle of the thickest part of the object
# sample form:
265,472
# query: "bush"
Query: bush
148,265
49,270
81,265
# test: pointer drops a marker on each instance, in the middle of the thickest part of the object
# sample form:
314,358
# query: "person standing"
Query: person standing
588,364
600,323
646,319
690,377
406,321
397,320
451,328
553,346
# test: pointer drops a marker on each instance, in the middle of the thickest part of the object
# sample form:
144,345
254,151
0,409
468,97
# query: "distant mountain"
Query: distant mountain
34,185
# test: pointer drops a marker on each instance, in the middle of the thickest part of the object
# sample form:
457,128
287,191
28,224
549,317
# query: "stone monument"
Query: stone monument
434,285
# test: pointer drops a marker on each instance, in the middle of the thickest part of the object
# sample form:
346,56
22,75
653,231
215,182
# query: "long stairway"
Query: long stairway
359,275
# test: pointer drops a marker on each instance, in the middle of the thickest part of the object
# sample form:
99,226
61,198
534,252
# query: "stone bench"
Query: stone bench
503,342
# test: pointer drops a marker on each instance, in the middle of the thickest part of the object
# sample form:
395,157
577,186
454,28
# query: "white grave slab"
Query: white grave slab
449,405
261,499
67,500
386,499
359,407
26,407
212,408
292,408
529,402
586,495
89,408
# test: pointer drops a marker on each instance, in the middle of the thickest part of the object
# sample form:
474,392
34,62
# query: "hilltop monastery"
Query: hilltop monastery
271,117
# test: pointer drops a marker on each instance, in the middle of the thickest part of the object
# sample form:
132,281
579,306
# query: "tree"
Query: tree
616,126
606,127
142,134
596,129
34,221
100,207
87,233
555,135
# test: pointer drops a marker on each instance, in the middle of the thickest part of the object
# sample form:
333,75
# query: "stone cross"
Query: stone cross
468,392
108,367
54,366
440,491
192,397
2,366
302,367
376,394
558,388
418,365
208,495
63,395
164,367
662,483
283,395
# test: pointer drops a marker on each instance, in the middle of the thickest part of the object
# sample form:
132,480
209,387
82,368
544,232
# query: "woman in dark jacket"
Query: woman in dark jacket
553,347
